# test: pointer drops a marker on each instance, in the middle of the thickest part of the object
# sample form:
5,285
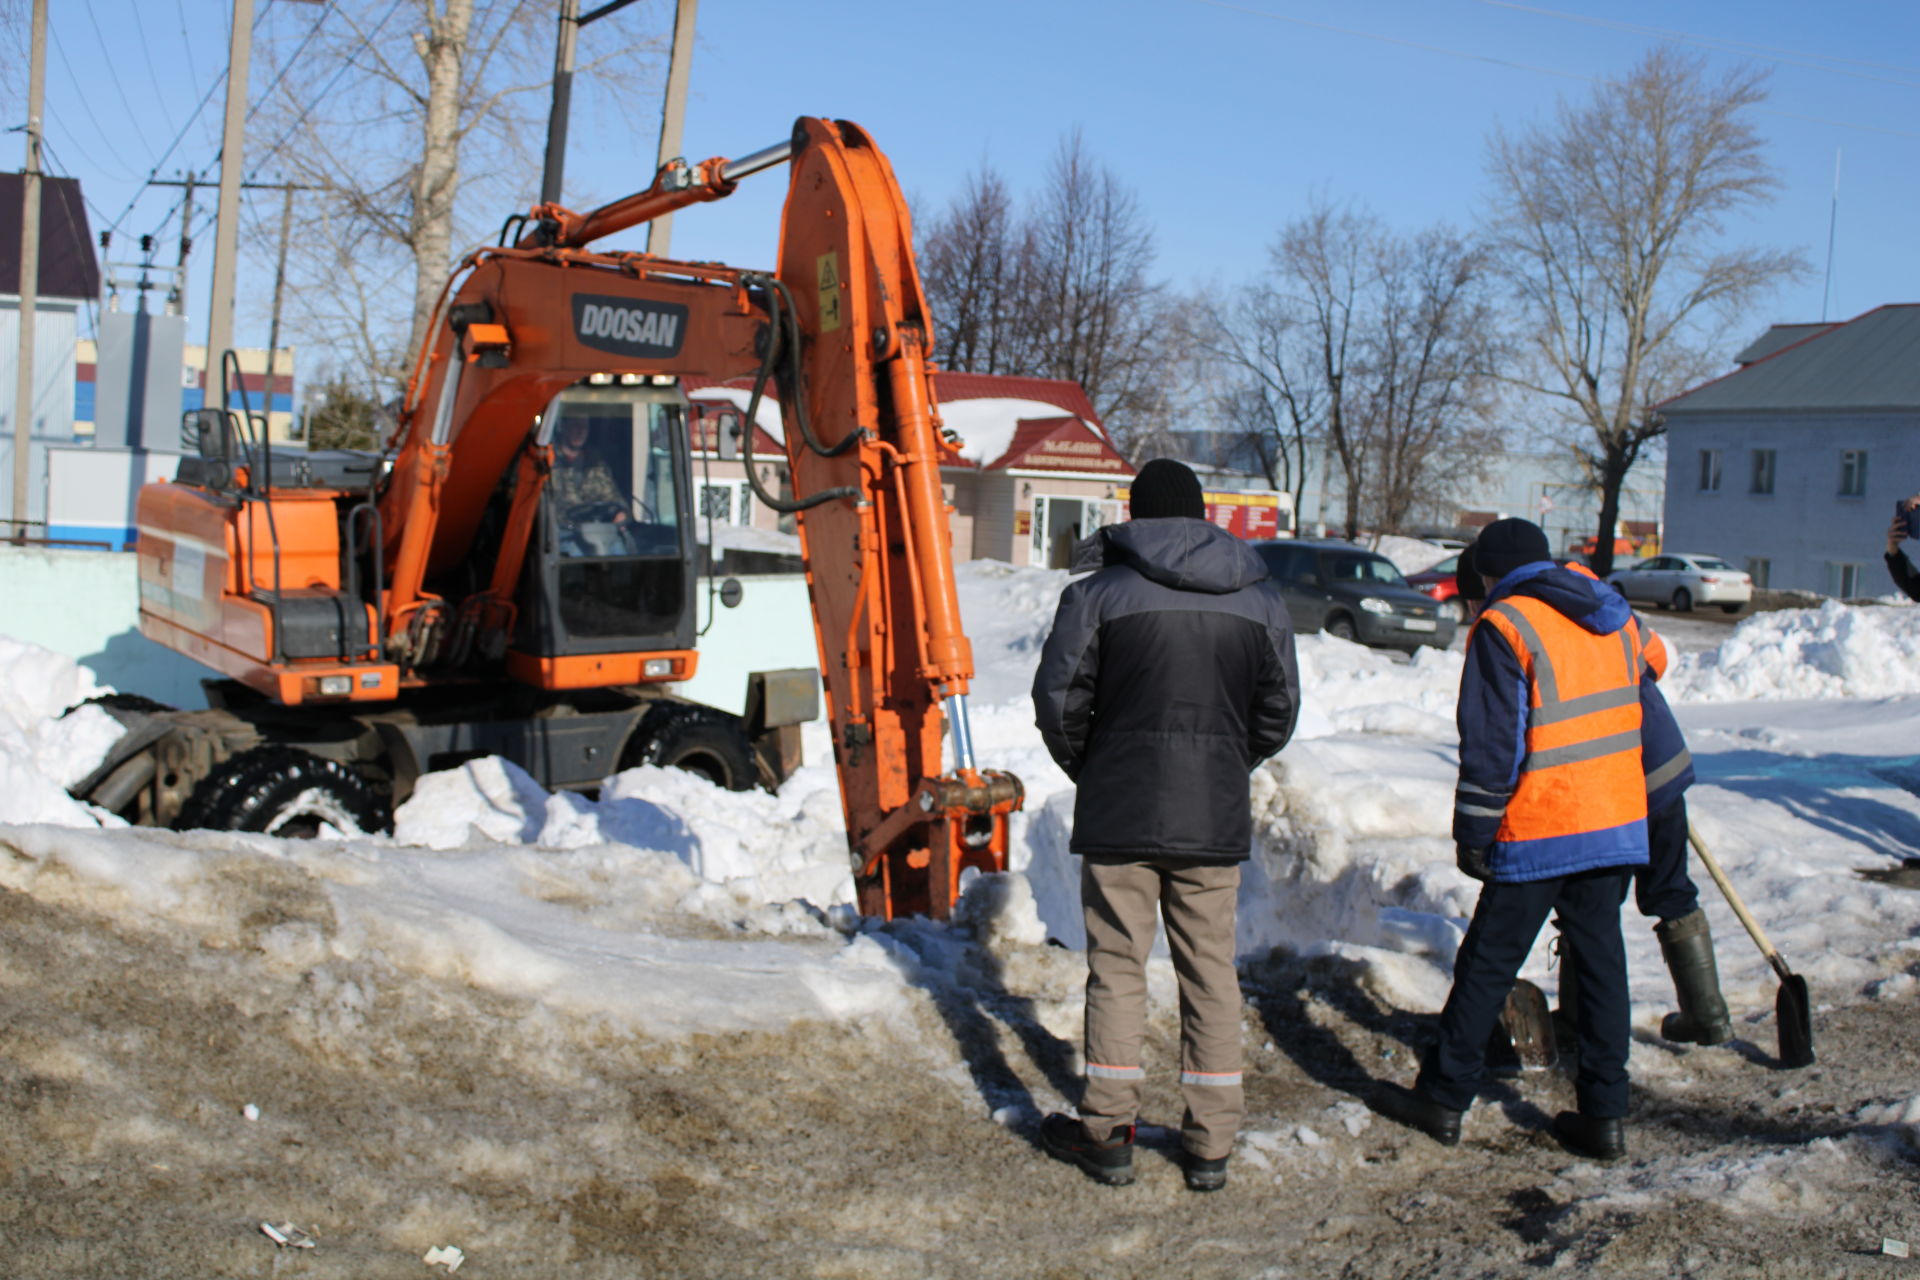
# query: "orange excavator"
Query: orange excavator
517,575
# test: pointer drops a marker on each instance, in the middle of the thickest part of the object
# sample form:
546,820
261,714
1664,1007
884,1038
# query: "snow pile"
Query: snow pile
41,753
603,931
1835,651
1411,555
766,848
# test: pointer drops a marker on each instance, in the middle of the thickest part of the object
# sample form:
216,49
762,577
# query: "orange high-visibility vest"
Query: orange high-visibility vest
1582,771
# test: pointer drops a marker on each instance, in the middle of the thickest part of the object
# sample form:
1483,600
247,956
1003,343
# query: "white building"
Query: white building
1790,465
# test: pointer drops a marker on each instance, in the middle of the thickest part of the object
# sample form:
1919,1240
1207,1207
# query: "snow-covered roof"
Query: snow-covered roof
767,417
984,410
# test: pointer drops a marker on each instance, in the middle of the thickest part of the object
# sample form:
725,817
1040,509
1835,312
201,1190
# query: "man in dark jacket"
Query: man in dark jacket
1551,815
1167,676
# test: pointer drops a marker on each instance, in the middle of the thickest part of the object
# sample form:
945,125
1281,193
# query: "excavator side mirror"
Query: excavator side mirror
729,438
731,593
206,433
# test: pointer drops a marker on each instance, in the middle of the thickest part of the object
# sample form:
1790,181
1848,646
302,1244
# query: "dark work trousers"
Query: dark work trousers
1505,923
1663,889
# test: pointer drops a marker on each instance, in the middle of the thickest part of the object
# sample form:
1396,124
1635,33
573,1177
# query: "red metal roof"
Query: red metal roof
949,386
1060,444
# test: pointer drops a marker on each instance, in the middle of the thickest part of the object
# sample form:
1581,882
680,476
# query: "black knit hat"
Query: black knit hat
1166,488
1505,545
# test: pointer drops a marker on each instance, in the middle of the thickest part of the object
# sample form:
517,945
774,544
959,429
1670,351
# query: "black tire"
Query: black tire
1729,608
1682,600
1341,627
700,740
282,791
138,702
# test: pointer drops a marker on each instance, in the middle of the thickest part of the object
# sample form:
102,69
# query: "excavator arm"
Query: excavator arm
860,417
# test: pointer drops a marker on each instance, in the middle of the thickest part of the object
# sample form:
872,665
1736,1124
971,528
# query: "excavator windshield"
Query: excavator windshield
615,572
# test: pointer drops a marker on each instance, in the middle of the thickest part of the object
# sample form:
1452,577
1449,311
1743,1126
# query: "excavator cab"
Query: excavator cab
613,563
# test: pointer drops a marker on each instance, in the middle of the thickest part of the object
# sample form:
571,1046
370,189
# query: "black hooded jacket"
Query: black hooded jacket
1167,676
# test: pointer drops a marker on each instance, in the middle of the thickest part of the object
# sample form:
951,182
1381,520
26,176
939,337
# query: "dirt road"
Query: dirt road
394,1116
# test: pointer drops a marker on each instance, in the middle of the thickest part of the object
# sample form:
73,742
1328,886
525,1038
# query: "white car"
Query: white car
1682,581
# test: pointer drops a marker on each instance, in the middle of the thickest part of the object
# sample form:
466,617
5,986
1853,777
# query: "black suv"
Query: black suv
1353,593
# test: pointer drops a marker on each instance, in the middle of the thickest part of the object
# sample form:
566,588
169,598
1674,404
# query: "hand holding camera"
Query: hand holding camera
1906,523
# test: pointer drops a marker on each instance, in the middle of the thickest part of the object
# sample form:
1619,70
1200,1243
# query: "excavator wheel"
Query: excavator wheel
700,740
282,791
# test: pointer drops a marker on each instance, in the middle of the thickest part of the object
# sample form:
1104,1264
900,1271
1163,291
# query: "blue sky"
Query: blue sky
1225,116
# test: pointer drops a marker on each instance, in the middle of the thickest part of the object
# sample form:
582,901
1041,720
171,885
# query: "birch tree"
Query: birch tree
418,123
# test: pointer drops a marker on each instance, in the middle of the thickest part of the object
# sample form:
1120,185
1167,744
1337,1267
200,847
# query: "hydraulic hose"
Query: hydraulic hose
776,347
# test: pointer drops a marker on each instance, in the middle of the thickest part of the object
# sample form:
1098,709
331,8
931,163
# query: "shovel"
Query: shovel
1528,1024
1792,1010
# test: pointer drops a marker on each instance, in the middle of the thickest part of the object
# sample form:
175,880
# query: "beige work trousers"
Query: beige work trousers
1197,901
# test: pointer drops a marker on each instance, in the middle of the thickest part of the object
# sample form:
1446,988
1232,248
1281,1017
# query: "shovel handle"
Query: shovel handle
1739,908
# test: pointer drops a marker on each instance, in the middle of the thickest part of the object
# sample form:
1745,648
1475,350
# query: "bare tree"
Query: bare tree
1608,224
1062,291
1426,385
1246,338
1090,310
416,121
1372,346
969,256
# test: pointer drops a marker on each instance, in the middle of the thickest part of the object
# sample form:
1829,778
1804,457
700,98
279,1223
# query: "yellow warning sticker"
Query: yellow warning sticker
829,270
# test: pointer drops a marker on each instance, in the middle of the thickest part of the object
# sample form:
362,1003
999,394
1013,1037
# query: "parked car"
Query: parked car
1682,581
1353,593
1442,583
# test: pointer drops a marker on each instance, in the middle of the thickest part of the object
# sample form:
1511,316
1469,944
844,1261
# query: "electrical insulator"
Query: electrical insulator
146,244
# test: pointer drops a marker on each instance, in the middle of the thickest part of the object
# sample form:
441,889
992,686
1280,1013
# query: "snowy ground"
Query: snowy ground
645,1035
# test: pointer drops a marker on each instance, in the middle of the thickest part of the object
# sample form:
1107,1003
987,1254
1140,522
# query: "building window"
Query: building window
1762,471
1709,471
1844,580
1759,570
1853,473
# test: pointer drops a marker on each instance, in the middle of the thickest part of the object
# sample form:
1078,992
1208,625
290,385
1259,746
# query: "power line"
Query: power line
119,86
60,50
146,52
267,93
218,80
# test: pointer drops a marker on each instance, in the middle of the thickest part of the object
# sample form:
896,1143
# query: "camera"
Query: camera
1909,520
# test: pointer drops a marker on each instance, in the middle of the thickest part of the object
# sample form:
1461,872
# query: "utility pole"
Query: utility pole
186,247
563,59
679,71
29,274
562,102
226,236
279,287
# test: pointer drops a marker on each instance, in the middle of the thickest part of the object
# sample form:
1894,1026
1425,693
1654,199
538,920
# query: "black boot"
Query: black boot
1687,945
1591,1137
1110,1162
1417,1111
1201,1174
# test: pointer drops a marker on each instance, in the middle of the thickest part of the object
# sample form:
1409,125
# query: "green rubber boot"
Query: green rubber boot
1687,945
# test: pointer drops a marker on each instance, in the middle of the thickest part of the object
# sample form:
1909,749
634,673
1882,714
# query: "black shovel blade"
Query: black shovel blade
1793,1011
1528,1023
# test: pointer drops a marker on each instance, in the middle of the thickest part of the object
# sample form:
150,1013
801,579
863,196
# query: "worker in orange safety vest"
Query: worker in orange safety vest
1550,814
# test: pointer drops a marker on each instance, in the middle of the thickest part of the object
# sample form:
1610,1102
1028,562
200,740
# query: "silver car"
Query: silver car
1682,581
